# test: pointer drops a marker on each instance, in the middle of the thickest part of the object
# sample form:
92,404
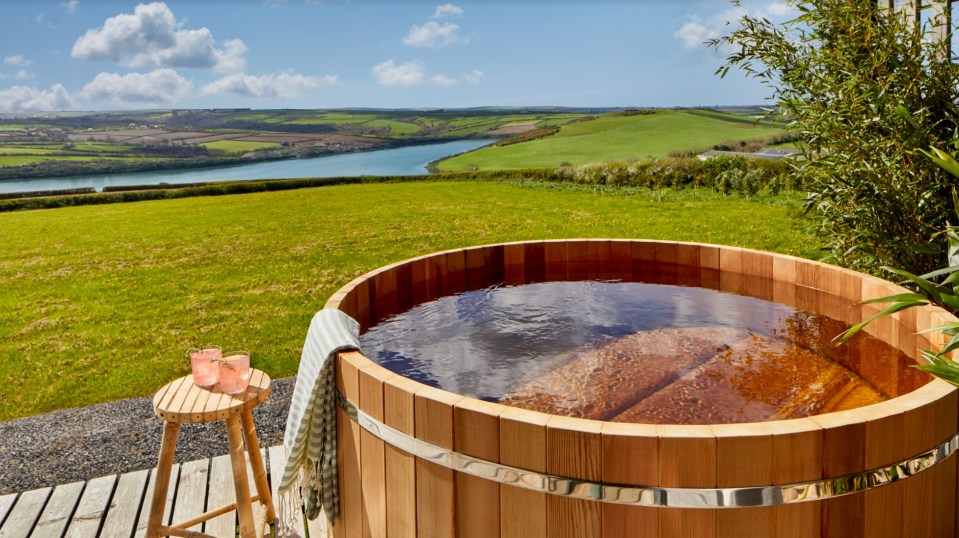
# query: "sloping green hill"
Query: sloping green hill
613,137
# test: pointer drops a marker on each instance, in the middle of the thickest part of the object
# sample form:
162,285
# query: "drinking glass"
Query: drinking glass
234,372
203,362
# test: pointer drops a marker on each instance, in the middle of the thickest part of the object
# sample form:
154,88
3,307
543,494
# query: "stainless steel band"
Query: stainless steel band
709,498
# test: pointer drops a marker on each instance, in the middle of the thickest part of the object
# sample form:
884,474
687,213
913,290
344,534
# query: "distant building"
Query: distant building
766,153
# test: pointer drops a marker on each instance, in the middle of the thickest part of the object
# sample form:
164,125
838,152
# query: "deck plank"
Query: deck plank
141,529
56,516
221,492
125,505
277,456
191,491
23,516
93,505
6,503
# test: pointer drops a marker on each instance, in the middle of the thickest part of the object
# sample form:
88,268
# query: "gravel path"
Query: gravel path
117,437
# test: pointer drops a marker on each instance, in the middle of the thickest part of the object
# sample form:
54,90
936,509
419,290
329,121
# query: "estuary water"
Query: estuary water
405,161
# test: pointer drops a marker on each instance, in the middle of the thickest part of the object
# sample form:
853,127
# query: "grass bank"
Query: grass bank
99,302
613,137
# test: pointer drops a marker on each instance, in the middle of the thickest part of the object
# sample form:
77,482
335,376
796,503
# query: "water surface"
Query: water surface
635,352
409,160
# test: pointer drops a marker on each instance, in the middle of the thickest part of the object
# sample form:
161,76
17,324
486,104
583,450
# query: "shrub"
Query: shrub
865,88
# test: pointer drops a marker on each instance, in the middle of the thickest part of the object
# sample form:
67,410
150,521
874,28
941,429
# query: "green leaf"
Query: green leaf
951,345
930,288
899,297
939,272
896,307
943,160
904,114
949,328
951,301
941,367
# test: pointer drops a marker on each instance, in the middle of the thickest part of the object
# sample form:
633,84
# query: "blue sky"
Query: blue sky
105,54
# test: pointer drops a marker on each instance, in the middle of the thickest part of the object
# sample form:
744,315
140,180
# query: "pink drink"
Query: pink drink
203,362
235,372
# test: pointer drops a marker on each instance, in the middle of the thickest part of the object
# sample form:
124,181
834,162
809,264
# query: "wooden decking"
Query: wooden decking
117,506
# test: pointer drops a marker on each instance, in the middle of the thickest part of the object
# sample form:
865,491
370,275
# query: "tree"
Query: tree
866,89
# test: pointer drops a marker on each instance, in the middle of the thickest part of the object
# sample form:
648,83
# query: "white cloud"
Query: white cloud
281,86
70,5
780,10
390,74
694,35
152,37
232,58
698,29
29,99
158,87
442,81
330,80
42,19
23,74
474,77
433,34
447,10
17,60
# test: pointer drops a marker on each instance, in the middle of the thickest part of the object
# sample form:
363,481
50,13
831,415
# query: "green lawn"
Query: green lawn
99,302
611,137
237,146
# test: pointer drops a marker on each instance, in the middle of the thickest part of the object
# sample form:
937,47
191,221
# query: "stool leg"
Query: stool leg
244,507
162,481
256,461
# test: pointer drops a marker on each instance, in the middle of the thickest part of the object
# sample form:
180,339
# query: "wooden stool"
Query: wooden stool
183,402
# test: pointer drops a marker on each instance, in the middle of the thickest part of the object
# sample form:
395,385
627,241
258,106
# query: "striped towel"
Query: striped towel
310,437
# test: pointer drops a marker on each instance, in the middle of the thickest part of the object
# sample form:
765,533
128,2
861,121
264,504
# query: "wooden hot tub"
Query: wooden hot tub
487,470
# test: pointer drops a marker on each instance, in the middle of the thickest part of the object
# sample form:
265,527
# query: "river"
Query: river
404,161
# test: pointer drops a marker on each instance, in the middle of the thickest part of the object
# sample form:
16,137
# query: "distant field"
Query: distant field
99,303
26,150
12,160
109,148
736,118
237,146
611,137
395,127
327,121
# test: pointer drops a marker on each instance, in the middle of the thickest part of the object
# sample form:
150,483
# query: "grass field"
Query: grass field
11,160
26,150
237,146
327,121
101,147
735,118
396,127
99,302
611,137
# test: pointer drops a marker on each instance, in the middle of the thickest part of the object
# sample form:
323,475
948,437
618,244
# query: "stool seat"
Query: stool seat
183,402
180,401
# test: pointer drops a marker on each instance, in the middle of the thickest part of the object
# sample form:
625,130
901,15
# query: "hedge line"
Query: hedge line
725,174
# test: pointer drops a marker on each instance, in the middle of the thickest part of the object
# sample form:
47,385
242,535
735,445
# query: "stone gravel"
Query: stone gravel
72,445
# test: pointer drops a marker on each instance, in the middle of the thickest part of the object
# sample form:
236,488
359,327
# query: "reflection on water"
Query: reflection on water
637,352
